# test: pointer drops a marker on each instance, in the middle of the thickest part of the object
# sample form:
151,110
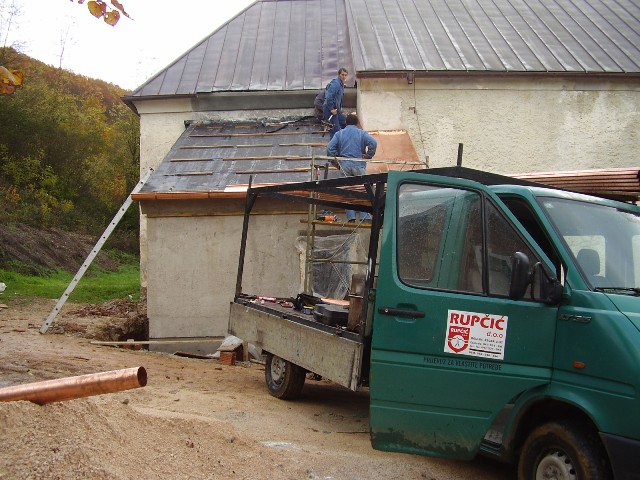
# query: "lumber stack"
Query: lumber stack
616,183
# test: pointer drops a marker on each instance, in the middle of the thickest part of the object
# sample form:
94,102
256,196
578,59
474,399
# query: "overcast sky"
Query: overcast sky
63,33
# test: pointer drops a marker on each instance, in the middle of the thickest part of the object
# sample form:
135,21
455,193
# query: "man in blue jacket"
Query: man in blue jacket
352,142
332,108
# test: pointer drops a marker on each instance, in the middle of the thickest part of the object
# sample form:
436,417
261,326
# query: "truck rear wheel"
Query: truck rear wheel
562,451
284,379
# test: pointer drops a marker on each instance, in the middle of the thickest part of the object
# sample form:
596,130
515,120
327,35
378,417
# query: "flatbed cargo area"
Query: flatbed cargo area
298,317
331,352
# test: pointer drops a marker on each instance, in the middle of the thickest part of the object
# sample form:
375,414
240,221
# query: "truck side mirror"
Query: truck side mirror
550,288
520,275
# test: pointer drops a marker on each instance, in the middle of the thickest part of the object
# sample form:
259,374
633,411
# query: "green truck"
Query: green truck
499,317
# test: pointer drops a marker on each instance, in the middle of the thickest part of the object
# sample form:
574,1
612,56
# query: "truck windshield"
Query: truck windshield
604,241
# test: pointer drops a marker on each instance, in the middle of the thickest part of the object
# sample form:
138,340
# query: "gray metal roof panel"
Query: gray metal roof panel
273,45
285,45
619,35
585,36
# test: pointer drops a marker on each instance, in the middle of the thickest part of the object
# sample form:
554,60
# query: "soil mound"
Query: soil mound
31,250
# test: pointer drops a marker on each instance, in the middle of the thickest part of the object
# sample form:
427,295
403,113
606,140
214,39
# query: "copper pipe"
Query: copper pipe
76,387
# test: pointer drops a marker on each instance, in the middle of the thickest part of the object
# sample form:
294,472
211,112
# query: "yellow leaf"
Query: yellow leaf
112,17
97,8
17,77
11,77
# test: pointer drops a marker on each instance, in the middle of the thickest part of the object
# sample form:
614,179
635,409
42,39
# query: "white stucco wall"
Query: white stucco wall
192,277
510,125
162,123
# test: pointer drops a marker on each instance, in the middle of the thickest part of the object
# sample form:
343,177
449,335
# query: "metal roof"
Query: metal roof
293,45
276,45
565,36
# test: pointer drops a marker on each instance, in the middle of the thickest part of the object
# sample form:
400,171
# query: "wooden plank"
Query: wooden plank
229,146
577,173
199,159
252,134
620,183
303,145
193,355
271,157
157,342
287,170
187,174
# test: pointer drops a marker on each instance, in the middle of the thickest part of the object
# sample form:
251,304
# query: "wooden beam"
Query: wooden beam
271,157
158,342
199,159
303,144
229,146
187,174
287,170
251,134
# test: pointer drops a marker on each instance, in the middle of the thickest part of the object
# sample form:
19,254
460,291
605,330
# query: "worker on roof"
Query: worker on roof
332,107
352,142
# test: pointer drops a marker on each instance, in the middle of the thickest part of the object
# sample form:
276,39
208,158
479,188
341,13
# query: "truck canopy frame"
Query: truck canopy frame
366,193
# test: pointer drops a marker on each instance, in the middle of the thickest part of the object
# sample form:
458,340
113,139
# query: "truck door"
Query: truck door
450,349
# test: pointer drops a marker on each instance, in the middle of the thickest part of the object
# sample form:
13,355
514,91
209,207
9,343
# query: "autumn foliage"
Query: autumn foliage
69,149
100,9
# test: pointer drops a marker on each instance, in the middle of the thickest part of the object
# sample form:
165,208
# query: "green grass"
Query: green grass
95,286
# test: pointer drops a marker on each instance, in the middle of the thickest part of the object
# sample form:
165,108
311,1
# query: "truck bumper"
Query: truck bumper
624,454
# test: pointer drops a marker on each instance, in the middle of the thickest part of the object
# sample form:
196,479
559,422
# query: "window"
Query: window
421,221
502,242
602,238
431,243
441,245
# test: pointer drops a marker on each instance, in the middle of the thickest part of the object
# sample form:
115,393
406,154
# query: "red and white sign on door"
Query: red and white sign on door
476,334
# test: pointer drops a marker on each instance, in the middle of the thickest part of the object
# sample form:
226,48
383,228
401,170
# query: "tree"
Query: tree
69,150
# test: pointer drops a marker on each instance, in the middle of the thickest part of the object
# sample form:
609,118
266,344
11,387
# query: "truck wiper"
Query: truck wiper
633,290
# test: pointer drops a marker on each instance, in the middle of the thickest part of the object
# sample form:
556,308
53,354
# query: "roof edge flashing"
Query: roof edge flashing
249,100
410,76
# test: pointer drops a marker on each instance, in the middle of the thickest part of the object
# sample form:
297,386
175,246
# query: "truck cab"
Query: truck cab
506,322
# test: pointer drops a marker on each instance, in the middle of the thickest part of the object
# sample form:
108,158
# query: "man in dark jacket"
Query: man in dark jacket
352,142
318,105
332,108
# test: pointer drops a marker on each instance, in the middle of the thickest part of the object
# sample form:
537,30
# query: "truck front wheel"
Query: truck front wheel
284,379
562,451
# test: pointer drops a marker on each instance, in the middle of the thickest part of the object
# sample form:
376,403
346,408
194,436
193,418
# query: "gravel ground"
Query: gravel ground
195,418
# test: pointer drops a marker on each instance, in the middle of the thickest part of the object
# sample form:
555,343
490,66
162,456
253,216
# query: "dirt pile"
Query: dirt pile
195,418
113,321
36,249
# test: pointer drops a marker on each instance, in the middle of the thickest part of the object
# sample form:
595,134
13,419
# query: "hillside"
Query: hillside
32,251
34,69
69,149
